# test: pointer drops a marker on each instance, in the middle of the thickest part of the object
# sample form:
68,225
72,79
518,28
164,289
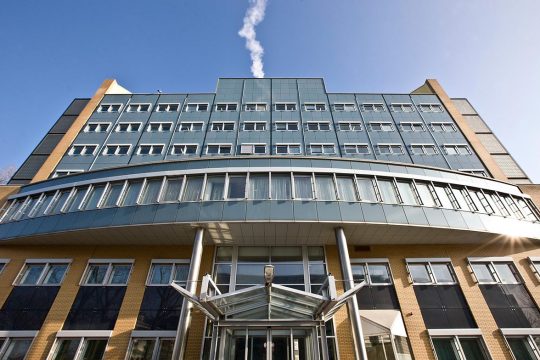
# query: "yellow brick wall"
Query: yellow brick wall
143,255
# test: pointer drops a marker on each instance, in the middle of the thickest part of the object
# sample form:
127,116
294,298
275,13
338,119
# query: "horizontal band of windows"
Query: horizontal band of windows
271,186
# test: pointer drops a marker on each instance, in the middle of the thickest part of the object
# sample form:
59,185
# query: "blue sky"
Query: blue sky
487,51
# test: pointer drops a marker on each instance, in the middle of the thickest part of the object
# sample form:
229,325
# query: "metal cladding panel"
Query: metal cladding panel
63,124
30,167
76,107
509,166
477,124
47,145
464,106
491,143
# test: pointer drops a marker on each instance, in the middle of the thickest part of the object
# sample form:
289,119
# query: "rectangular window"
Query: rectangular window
150,149
248,149
322,149
402,107
14,348
443,127
288,149
159,127
128,127
150,191
164,272
254,126
42,272
412,126
347,107
227,107
215,188
93,197
317,126
184,149
112,194
190,126
354,149
494,272
367,189
237,187
97,127
151,348
350,126
381,126
524,347
388,191
171,189
457,149
281,186
427,194
193,188
424,149
131,194
259,186
373,273
59,173
303,187
346,188
77,348
431,108
285,106
324,188
287,126
138,107
460,347
105,273
222,126
112,108
314,107
373,107
57,204
193,107
407,192
167,107
83,150
255,107
430,271
218,149
390,149
3,263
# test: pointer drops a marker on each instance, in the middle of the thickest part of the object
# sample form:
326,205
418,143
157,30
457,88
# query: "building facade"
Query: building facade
270,219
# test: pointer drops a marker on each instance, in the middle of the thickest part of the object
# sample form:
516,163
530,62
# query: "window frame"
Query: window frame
185,145
288,148
527,333
365,262
390,145
14,335
47,265
490,261
285,104
322,145
253,149
117,150
255,123
138,105
197,107
349,125
222,123
110,106
287,124
160,126
3,264
456,148
191,123
403,107
107,277
257,105
423,148
151,151
84,148
219,145
82,336
316,106
154,335
444,126
456,335
171,262
99,125
227,105
382,123
413,125
431,107
356,145
375,107
158,105
346,107
318,123
428,263
67,171
130,127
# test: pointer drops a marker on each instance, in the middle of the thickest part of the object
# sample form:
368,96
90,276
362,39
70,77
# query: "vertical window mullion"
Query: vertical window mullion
305,265
226,186
396,190
39,281
106,278
431,188
234,265
293,190
141,191
121,195
375,185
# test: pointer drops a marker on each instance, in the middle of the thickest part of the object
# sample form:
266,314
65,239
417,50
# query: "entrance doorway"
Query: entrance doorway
269,343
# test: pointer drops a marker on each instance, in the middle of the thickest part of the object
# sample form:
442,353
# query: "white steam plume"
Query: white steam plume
254,15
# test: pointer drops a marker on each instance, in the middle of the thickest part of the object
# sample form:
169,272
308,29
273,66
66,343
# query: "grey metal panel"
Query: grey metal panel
477,124
124,215
281,210
30,167
258,210
104,217
415,215
491,143
47,145
76,106
211,211
435,217
304,210
145,214
234,210
394,214
188,212
63,124
373,212
351,211
509,166
328,211
166,213
464,106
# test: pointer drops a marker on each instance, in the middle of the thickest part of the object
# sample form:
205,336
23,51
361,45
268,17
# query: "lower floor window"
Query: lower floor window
459,348
151,348
79,348
14,348
524,347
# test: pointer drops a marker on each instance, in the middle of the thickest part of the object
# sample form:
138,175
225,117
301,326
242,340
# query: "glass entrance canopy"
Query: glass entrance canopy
268,302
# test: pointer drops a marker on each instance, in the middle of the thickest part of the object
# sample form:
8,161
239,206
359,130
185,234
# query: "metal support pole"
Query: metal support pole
191,286
352,304
324,342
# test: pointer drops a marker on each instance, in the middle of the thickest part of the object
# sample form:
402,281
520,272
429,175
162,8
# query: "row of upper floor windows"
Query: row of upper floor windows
262,106
270,186
384,126
261,149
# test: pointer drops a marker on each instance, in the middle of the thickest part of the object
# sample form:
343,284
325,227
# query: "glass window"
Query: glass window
442,272
443,196
506,272
521,348
120,274
95,274
324,185
346,189
132,193
55,274
258,186
92,200
193,188
151,191
366,189
406,190
420,273
281,186
75,201
107,274
16,349
215,186
379,274
426,194
59,202
171,191
161,274
112,194
303,187
483,273
43,204
31,274
450,348
142,349
388,191
66,349
237,187
445,349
